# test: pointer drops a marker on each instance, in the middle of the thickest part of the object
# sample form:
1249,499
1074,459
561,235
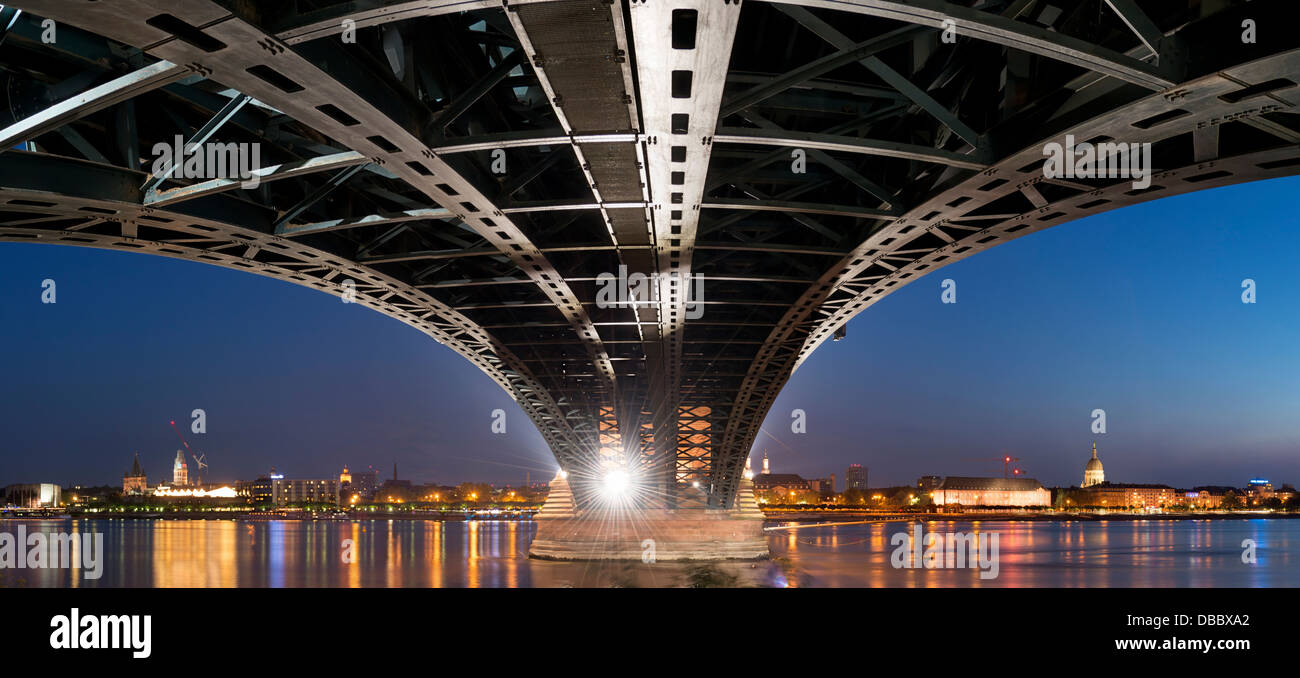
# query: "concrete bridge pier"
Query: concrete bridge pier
692,531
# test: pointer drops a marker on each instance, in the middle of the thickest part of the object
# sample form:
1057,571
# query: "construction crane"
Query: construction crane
200,460
1007,460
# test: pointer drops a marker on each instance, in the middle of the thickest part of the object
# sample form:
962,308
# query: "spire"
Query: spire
1094,450
135,467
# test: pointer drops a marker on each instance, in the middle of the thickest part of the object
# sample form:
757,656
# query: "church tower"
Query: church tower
134,482
1093,473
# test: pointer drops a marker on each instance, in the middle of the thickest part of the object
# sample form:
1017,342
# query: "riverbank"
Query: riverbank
834,516
260,516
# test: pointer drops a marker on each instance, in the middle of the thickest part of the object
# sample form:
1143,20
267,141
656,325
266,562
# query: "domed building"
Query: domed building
1093,473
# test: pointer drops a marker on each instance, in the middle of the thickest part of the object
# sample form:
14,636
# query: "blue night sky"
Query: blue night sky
1137,311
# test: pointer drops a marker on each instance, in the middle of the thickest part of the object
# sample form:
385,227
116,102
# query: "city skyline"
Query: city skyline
840,478
1197,386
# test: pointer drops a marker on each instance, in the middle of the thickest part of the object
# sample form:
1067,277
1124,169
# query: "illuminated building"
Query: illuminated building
991,492
855,478
134,482
1125,495
364,483
286,491
196,492
1093,474
822,485
347,494
34,495
180,472
779,486
1209,496
256,491
1258,489
1198,499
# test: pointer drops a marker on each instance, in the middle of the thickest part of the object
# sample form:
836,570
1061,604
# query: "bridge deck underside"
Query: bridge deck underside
478,170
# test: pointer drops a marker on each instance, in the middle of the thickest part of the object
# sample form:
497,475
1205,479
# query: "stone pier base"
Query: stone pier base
690,532
664,535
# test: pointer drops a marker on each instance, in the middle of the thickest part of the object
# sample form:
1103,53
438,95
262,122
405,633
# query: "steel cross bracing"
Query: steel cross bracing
657,136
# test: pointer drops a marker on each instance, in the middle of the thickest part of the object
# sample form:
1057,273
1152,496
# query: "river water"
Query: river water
424,553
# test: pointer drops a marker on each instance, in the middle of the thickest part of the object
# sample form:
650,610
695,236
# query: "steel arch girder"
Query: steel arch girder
1207,101
98,193
260,65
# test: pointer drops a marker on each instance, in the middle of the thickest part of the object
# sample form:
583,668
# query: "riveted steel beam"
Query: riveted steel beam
845,144
94,99
270,173
683,54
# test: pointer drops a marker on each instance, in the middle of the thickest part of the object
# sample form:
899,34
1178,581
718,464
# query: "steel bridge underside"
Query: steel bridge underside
472,168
